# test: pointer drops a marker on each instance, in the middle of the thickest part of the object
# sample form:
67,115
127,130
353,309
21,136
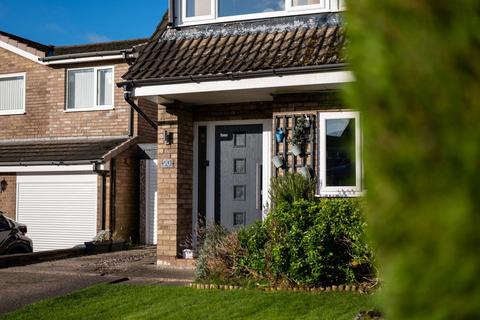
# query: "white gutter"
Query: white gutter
273,82
86,59
49,168
37,59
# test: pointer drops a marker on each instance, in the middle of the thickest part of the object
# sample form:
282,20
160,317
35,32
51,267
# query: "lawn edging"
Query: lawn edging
361,288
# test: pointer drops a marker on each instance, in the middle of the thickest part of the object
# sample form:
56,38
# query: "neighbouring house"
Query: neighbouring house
70,161
237,84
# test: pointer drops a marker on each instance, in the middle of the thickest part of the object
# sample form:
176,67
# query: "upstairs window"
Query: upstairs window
228,10
90,88
340,154
12,94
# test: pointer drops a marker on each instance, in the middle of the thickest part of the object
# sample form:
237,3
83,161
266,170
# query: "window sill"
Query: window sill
341,194
89,109
13,113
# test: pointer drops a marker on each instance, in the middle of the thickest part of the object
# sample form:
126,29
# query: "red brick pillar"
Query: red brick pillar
175,183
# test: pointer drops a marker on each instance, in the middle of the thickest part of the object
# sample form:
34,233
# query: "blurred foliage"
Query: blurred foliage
417,69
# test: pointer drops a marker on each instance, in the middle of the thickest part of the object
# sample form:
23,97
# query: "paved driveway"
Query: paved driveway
20,286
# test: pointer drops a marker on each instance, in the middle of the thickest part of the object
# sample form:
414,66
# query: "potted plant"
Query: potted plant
279,135
278,161
306,171
298,136
104,242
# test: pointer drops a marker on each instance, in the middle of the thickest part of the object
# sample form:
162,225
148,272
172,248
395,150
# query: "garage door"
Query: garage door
151,201
60,211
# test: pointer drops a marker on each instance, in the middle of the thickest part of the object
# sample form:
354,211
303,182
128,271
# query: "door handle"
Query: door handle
258,183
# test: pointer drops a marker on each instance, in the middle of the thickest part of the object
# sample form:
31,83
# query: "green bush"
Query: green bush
307,242
319,242
291,187
416,65
255,242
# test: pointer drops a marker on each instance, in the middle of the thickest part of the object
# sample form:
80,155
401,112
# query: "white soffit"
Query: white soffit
275,82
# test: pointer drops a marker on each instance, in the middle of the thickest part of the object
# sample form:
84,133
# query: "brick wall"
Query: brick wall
239,111
296,104
145,131
127,194
45,104
8,197
174,184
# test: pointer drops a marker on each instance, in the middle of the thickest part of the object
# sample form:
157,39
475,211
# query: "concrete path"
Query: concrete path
20,286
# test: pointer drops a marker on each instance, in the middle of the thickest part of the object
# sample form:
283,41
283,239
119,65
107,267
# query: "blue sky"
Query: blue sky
68,22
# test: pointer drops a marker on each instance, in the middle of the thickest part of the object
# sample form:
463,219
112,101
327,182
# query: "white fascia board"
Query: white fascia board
309,79
37,59
50,168
20,52
86,59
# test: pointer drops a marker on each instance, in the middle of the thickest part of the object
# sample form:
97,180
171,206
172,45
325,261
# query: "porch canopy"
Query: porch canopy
241,62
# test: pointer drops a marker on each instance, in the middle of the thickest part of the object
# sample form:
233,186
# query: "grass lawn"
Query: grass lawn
148,302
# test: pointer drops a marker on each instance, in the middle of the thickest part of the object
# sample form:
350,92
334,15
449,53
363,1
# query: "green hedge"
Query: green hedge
417,71
307,242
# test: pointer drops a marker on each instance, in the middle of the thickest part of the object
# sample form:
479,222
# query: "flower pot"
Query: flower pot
297,150
306,172
187,254
279,135
278,161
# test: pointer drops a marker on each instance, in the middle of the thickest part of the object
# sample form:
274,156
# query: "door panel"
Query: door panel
238,172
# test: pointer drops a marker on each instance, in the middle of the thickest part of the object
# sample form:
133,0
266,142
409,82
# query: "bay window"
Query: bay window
12,94
340,154
90,88
228,10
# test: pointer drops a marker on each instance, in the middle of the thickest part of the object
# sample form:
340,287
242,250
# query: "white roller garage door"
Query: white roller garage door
60,211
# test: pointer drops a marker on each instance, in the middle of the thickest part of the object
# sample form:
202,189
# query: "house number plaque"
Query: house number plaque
167,163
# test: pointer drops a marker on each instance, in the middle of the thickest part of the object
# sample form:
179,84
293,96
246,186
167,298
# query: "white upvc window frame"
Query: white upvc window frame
344,191
15,75
94,107
321,6
211,16
290,10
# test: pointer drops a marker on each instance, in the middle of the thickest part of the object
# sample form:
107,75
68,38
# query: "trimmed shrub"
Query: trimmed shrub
291,187
319,242
304,243
417,73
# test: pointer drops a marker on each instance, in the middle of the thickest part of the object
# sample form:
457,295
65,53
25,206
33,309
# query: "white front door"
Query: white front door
60,210
151,201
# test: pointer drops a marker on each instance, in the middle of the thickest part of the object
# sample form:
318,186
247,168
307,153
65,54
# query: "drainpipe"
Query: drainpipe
127,95
113,187
131,122
104,200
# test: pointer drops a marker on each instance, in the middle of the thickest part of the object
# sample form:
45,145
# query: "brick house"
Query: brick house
69,159
234,83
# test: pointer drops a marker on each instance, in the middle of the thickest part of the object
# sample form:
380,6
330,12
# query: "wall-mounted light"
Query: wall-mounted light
168,137
3,186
